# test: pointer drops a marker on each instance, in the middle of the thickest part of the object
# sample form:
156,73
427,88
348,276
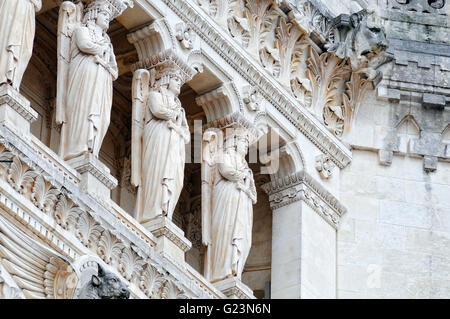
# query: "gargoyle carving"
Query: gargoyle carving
360,38
104,285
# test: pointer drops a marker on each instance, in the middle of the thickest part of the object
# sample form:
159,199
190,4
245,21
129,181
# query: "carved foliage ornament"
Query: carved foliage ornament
55,203
324,166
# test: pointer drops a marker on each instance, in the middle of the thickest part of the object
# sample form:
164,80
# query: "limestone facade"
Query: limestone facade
324,126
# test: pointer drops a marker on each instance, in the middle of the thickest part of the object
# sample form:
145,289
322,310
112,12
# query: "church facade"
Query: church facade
224,149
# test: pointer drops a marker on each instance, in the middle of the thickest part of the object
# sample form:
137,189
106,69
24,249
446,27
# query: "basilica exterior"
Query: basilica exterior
216,149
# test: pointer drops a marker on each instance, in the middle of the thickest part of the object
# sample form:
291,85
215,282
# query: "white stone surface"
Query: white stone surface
393,242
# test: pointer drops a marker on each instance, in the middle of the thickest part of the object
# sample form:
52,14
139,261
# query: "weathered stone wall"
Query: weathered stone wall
394,241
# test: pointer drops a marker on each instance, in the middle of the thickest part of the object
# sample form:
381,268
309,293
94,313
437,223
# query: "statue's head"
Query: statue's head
102,12
242,145
237,140
174,84
109,286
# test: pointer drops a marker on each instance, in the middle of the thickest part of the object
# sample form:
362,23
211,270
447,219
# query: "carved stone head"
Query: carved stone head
104,285
368,38
109,286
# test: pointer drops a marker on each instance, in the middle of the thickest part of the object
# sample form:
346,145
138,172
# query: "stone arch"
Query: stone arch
217,93
407,130
285,160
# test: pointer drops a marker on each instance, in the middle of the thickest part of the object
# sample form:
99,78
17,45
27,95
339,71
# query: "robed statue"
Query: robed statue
228,196
159,134
87,68
17,30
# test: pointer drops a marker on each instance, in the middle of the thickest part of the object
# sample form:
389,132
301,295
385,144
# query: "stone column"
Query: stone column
304,230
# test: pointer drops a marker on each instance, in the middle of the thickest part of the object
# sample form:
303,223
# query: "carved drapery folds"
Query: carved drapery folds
86,69
159,134
79,222
17,27
228,195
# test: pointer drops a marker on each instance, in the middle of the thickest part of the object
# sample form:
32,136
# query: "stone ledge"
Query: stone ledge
89,164
17,102
301,186
163,227
233,288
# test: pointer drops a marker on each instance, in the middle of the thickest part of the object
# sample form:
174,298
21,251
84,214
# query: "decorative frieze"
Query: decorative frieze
302,187
272,91
74,224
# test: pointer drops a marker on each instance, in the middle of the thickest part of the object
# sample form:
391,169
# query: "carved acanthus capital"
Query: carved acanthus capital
235,121
164,66
302,187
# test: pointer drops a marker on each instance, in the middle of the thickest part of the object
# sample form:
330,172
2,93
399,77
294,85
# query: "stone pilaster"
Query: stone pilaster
305,220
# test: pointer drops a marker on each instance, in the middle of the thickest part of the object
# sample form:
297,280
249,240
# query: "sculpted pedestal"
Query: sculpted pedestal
170,238
96,179
15,111
233,288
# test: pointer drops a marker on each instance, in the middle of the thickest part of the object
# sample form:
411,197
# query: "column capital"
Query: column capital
234,120
167,63
303,187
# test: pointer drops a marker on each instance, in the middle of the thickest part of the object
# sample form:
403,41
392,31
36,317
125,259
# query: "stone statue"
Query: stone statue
17,29
228,195
86,69
159,134
104,285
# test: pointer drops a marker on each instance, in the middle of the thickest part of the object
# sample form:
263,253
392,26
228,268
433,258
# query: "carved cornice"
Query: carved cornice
302,187
269,87
164,227
96,168
18,103
234,288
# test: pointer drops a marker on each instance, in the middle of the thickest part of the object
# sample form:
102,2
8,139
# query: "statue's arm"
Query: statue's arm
158,108
114,70
85,44
228,171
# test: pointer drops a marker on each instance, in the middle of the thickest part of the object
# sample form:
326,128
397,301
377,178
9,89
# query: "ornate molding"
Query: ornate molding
89,164
75,224
12,98
269,87
324,166
302,187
